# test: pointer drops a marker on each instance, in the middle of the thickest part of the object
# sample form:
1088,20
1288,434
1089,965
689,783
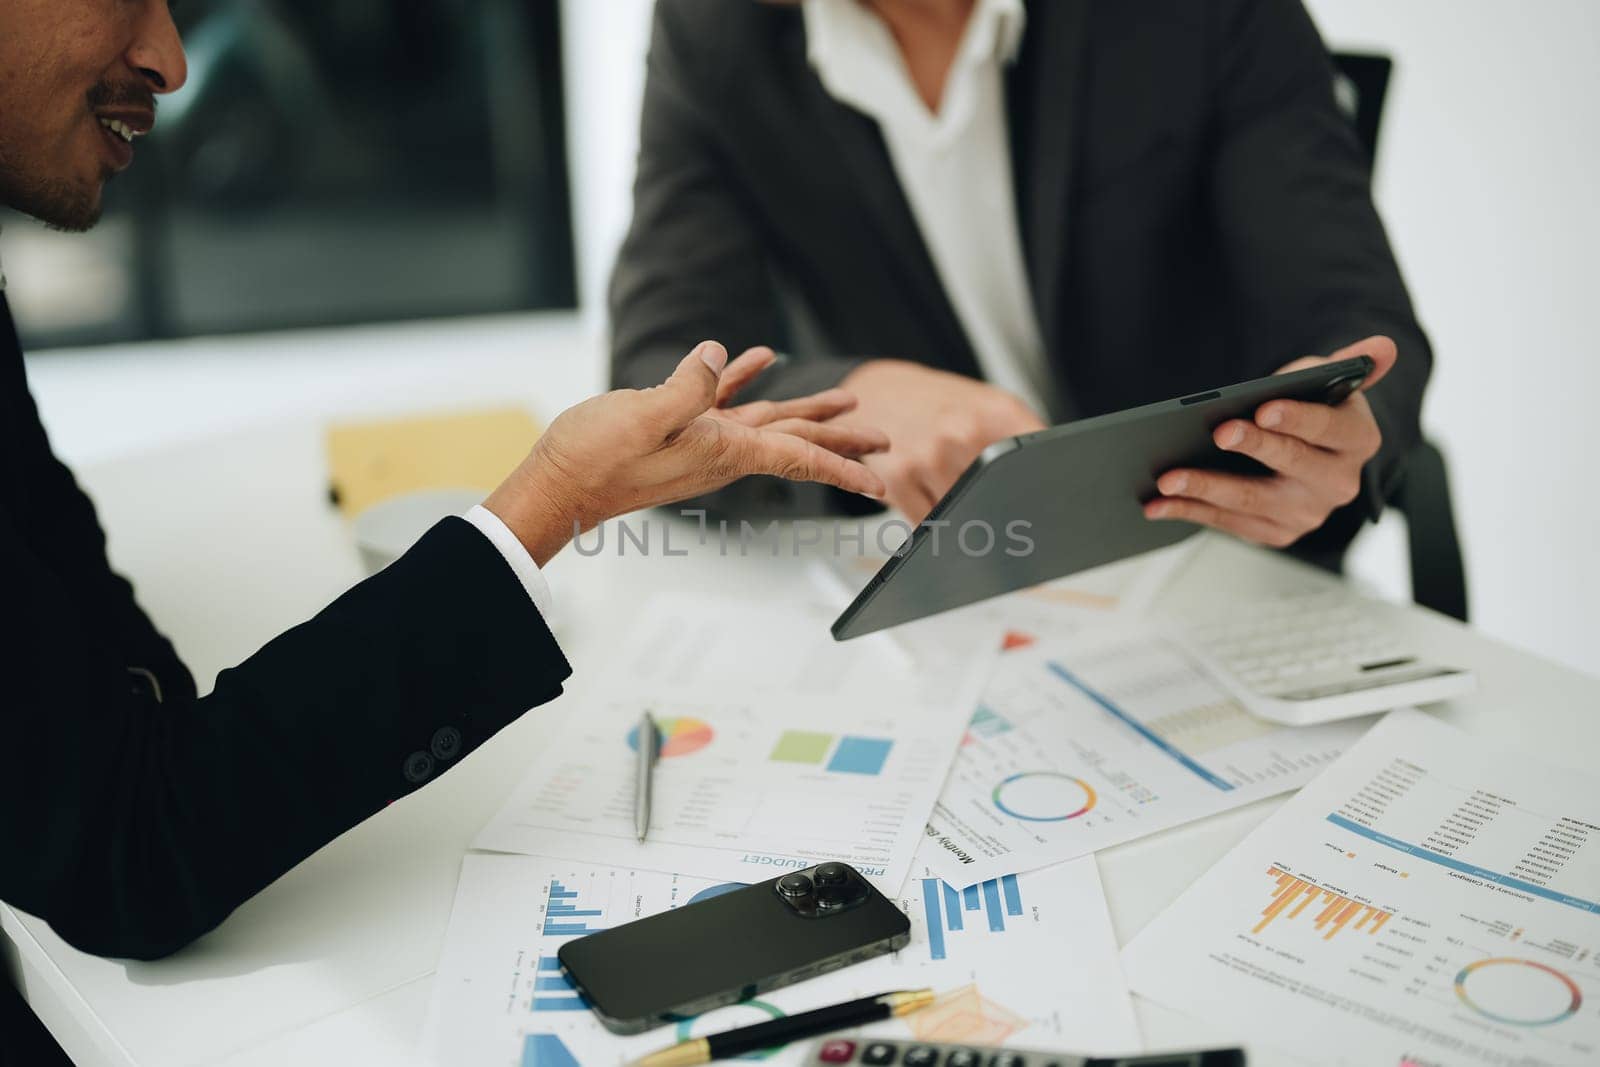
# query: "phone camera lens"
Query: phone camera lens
794,886
833,874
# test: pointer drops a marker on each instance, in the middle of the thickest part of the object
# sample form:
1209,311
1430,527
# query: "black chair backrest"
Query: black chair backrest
1360,86
1438,572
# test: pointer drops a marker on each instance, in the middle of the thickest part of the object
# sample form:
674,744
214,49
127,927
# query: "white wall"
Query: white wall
1486,178
603,52
1491,146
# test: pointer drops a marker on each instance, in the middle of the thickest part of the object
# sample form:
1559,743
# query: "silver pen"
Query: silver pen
649,747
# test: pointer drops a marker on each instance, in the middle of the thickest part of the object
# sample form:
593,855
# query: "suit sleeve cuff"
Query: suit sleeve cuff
506,543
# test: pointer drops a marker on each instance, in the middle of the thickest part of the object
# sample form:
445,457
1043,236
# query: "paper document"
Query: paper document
1430,899
1027,961
1083,743
780,748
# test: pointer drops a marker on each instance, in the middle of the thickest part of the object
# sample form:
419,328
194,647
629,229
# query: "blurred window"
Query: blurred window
327,163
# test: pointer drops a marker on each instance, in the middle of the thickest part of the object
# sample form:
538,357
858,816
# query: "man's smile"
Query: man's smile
119,126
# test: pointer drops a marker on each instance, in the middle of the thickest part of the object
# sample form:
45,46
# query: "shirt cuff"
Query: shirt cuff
506,543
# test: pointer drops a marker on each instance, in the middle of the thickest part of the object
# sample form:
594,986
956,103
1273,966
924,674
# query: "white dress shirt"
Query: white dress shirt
506,543
954,168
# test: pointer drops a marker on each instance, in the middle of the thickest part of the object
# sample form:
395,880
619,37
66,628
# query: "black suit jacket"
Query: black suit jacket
136,815
1193,208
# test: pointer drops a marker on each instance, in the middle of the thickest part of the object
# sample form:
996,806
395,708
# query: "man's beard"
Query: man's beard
60,205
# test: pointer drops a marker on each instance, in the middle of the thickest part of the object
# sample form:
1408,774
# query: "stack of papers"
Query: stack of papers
775,740
1420,896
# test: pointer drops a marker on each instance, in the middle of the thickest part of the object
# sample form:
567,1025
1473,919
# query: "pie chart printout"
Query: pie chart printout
679,737
1518,992
1044,796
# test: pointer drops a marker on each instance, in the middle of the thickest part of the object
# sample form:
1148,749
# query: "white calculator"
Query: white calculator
1315,655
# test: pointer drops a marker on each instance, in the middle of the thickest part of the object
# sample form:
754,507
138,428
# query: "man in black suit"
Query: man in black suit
980,216
140,813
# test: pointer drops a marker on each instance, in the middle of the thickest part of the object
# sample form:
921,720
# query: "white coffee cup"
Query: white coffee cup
388,528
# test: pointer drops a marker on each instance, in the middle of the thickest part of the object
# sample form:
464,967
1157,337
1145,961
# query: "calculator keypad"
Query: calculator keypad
925,1054
893,1053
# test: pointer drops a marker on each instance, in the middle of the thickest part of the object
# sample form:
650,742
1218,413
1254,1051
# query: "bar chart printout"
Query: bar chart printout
1294,895
553,990
563,916
947,911
500,997
546,1050
1437,893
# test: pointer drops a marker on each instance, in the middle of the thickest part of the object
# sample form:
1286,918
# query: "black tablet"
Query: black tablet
1034,508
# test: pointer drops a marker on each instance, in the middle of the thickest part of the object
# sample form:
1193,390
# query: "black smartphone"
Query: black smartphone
732,947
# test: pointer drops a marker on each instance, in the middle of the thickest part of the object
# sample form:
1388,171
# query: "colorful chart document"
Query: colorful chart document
780,748
1429,899
1082,743
1028,961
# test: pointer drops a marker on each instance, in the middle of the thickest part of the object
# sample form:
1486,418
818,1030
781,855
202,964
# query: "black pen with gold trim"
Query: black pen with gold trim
776,1032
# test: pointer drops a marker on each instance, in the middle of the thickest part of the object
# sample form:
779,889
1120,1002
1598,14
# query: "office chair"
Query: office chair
1438,575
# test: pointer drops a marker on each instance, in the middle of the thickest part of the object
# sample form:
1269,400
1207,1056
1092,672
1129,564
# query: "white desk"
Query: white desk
231,541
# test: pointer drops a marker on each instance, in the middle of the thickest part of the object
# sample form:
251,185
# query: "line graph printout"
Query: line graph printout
1078,744
1430,897
780,748
501,1000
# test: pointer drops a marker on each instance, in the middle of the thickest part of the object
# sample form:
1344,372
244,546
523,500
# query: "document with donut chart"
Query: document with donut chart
780,748
1430,899
1029,961
1088,741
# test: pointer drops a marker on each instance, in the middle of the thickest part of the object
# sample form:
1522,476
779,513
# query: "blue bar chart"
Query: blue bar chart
943,908
952,907
563,916
546,1050
553,990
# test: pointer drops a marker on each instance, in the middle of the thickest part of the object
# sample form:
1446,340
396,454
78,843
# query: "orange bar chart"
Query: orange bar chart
1293,895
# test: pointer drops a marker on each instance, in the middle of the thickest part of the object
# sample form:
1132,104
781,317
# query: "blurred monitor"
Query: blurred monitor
327,163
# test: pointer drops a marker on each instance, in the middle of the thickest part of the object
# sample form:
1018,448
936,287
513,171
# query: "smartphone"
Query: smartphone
731,947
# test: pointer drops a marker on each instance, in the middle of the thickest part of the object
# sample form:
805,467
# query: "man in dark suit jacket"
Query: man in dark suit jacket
137,814
1190,209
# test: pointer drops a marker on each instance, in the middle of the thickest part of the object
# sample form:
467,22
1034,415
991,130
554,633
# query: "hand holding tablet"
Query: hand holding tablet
1315,453
1078,493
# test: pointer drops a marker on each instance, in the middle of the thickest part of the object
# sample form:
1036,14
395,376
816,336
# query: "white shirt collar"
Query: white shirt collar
859,63
995,27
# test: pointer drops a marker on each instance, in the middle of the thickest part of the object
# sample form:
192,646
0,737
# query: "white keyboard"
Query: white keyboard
1307,657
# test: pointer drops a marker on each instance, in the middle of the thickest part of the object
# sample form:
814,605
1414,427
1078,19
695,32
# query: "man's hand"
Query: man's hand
1317,452
937,424
636,448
